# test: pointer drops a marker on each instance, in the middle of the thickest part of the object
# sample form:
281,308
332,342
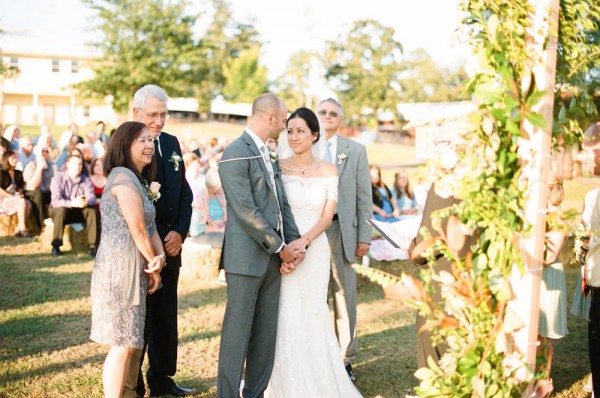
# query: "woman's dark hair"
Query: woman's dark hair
4,143
4,160
311,121
380,184
118,153
94,161
398,189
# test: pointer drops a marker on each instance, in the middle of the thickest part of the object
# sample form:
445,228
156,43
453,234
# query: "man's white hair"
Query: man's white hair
149,90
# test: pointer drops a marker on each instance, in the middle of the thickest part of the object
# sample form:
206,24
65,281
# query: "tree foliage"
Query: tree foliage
423,80
143,41
363,67
245,78
224,40
294,84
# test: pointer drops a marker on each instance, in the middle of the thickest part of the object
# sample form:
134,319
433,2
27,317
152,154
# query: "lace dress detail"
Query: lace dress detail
119,283
308,361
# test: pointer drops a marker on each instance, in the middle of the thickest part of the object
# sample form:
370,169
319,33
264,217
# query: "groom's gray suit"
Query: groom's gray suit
354,207
252,264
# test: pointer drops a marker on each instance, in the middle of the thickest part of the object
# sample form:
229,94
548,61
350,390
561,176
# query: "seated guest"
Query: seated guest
38,176
403,195
209,212
73,201
26,154
13,134
4,145
97,176
11,192
384,207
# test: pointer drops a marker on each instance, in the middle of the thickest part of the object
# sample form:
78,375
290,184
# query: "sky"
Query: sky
285,27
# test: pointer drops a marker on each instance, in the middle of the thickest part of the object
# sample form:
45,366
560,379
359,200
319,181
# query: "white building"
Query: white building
42,91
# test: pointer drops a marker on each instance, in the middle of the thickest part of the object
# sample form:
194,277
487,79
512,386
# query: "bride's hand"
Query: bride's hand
287,268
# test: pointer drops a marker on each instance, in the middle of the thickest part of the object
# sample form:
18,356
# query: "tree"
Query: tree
7,71
363,67
223,41
294,84
425,81
143,41
245,79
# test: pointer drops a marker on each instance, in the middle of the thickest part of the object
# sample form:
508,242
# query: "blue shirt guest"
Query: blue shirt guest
73,201
403,195
384,207
173,214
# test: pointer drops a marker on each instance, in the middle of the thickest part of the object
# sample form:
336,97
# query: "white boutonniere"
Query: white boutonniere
273,156
175,159
342,157
153,191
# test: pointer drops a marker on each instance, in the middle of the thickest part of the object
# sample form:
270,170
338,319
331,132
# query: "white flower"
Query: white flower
342,157
175,159
273,156
153,191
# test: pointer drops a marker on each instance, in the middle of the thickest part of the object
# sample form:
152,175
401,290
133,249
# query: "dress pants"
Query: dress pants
342,284
67,215
160,334
594,339
39,201
249,332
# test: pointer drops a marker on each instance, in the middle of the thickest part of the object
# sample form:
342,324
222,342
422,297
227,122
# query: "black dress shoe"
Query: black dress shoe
55,251
350,373
176,390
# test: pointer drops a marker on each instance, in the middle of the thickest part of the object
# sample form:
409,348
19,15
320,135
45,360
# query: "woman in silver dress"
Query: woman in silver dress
130,256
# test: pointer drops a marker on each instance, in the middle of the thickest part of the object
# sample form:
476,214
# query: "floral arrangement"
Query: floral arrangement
342,157
175,159
153,190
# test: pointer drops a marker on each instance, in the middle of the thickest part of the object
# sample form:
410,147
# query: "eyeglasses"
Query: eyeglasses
331,113
162,116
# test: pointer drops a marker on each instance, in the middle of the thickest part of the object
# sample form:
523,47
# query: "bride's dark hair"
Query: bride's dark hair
310,118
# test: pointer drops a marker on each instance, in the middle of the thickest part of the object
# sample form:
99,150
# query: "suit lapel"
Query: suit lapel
256,152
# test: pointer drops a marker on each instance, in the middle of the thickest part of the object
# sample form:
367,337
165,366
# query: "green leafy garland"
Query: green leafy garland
472,318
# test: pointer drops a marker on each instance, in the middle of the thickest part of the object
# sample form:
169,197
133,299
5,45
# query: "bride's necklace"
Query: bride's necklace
302,170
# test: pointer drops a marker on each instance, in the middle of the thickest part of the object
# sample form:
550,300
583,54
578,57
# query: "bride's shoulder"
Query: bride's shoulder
328,169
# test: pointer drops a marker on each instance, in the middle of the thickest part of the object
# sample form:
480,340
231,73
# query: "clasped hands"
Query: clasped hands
291,255
153,270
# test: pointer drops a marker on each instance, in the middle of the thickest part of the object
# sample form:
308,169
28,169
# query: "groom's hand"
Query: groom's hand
287,254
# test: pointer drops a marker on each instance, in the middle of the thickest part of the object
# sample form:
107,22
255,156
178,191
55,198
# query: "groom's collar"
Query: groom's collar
257,140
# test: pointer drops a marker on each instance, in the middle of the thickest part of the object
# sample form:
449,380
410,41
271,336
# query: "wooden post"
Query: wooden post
542,42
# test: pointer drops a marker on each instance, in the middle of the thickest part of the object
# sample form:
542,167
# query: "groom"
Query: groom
259,225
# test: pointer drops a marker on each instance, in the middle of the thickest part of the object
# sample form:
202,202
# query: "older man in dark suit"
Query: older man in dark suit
173,214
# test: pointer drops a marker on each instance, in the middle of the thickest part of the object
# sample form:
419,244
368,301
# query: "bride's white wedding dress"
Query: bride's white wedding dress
308,362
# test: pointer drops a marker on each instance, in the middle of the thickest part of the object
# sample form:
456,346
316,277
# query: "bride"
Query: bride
308,361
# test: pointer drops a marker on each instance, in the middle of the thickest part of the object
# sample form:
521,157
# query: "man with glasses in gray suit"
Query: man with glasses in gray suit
350,234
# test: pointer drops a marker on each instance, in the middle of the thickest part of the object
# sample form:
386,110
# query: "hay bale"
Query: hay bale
199,261
72,240
8,224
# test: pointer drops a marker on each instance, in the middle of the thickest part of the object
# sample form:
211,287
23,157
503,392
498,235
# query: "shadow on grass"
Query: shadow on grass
45,371
387,362
37,334
210,295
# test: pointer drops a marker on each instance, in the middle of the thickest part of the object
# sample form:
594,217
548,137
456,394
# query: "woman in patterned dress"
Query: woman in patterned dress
130,256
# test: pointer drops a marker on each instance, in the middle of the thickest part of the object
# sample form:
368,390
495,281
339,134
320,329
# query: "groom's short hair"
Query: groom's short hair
265,103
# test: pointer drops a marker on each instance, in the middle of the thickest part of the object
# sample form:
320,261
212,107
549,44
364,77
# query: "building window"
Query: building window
86,111
13,63
55,65
74,66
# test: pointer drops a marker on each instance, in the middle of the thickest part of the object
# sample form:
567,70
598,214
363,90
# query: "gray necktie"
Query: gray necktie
267,158
327,156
